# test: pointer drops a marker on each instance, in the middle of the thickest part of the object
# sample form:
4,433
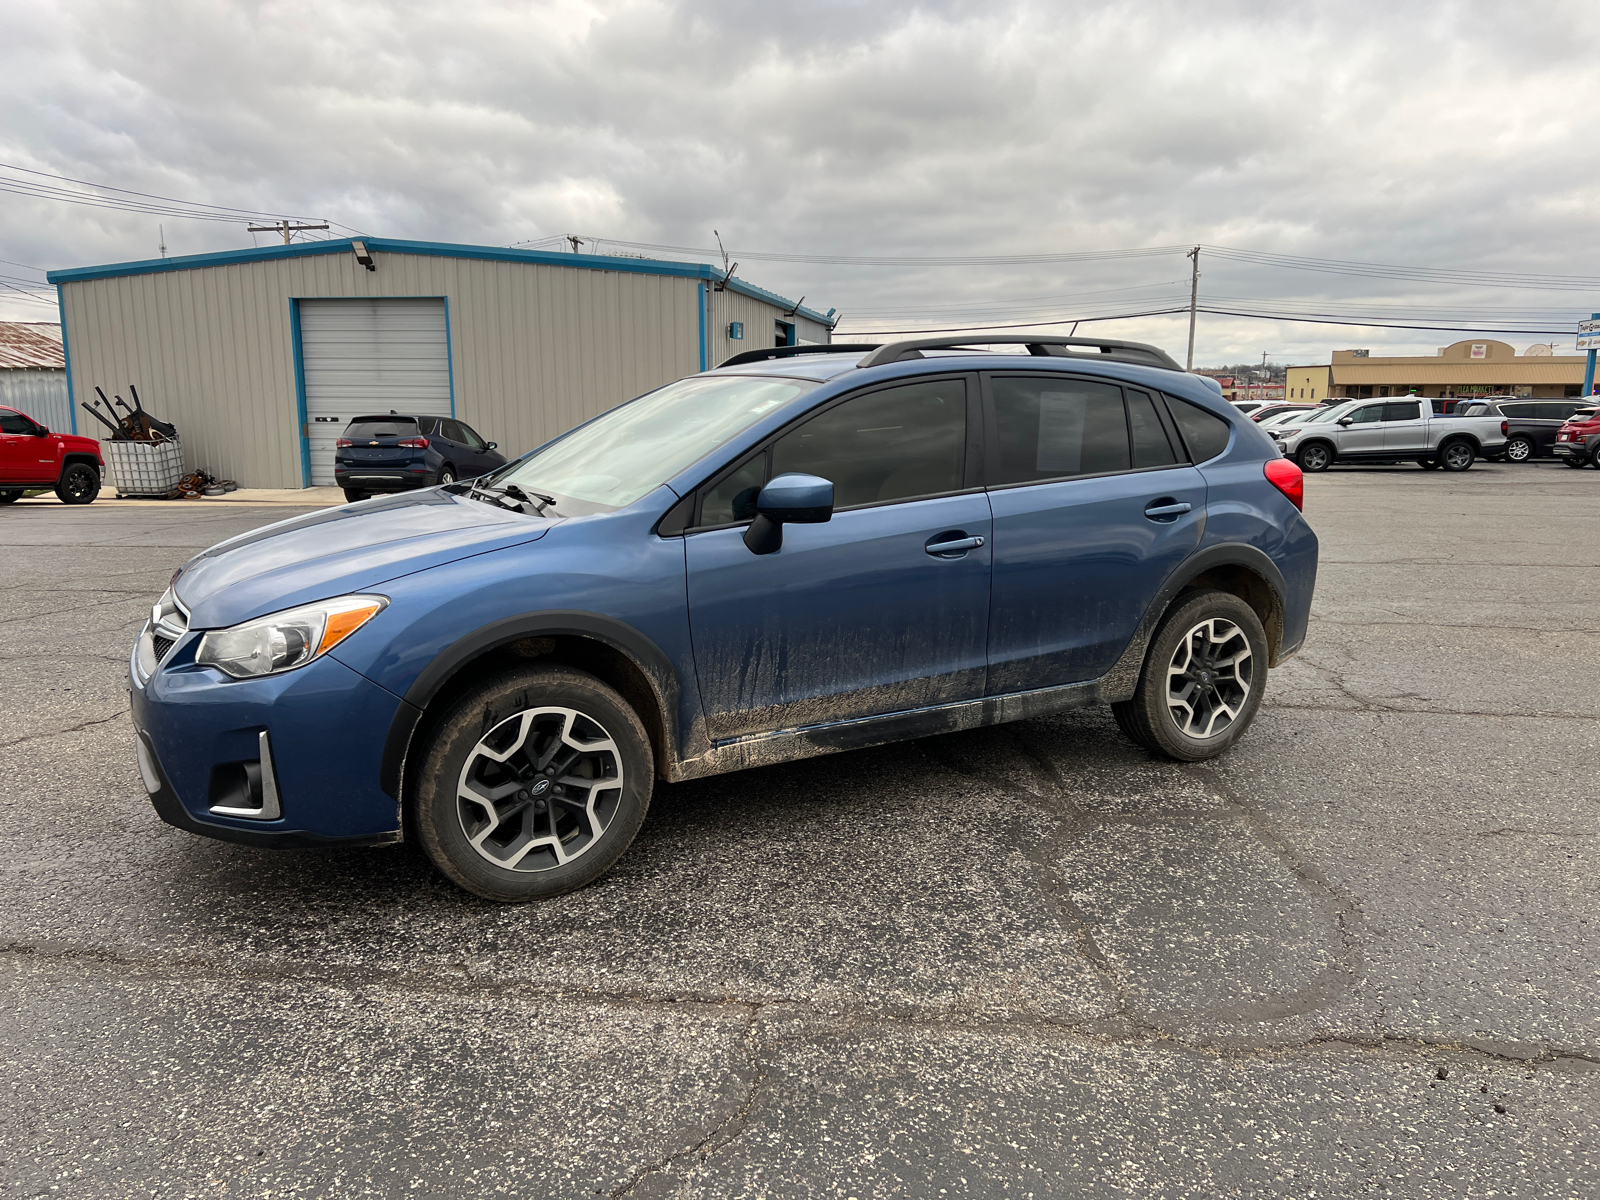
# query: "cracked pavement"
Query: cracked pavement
1356,956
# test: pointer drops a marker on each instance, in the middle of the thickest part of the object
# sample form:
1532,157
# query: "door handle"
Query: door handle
957,547
1157,511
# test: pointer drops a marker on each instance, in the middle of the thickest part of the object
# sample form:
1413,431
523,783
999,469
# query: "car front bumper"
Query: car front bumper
201,734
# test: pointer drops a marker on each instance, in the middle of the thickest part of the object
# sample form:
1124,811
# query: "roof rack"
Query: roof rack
750,356
1108,350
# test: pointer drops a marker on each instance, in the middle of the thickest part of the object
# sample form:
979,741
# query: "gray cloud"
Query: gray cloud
1445,135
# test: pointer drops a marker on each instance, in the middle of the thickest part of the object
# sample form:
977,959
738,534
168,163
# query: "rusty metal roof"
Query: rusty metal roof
31,344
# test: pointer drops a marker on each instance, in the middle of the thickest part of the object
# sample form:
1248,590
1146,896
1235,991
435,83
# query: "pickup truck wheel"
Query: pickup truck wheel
1456,456
1202,679
10,495
79,484
1519,449
532,784
1314,456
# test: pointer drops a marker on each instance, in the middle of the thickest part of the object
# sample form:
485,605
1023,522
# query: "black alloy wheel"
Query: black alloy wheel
1202,679
79,484
531,784
1314,456
1456,455
10,495
1519,449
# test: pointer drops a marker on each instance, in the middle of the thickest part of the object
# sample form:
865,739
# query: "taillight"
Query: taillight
416,443
1288,479
343,442
1505,428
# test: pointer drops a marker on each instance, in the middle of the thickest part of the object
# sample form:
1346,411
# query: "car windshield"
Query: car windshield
1327,414
635,448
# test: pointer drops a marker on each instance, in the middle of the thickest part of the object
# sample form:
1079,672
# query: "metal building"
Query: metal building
260,356
33,376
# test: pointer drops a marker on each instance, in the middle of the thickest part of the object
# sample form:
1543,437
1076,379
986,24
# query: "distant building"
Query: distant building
33,372
1235,387
1478,367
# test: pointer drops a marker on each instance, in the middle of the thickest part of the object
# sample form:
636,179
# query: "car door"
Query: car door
1360,432
25,457
1095,504
1404,429
483,458
864,614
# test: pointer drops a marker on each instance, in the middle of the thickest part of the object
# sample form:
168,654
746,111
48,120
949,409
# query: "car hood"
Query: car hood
341,550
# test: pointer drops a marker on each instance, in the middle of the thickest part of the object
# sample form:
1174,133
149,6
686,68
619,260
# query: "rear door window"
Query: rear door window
1406,410
1151,445
1517,410
895,444
403,427
1055,428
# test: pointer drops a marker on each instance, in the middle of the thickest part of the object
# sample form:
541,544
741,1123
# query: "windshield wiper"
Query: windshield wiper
518,497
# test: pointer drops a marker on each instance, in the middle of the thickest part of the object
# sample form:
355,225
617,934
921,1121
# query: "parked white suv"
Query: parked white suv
1394,430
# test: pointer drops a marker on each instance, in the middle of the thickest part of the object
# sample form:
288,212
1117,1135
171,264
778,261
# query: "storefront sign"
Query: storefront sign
1589,335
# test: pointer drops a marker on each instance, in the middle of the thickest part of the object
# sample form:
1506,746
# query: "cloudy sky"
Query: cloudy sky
1453,137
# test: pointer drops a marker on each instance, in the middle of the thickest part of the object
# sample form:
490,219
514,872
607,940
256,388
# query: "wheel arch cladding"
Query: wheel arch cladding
1242,570
612,652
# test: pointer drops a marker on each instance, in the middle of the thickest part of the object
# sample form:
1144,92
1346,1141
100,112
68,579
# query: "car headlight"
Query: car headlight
288,639
1287,433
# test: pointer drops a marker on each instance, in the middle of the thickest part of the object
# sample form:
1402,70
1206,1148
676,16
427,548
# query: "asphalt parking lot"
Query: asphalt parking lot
1356,956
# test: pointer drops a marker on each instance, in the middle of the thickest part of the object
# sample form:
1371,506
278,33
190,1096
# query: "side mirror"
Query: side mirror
793,499
41,431
492,445
1347,420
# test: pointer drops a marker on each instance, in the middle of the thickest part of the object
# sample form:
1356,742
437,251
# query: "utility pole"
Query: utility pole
285,227
163,240
1588,370
575,240
1194,298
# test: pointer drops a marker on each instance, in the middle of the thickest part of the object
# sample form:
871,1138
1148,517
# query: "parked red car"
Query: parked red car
31,456
1578,441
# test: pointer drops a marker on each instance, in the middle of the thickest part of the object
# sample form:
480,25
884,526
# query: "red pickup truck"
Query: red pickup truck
31,456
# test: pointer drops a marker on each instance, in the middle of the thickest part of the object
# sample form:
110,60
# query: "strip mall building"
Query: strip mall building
1472,368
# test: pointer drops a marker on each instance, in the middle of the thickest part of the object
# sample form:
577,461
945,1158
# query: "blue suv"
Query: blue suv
803,551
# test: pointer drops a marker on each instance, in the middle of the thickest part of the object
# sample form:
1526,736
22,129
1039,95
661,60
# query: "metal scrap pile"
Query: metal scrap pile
136,426
145,455
196,485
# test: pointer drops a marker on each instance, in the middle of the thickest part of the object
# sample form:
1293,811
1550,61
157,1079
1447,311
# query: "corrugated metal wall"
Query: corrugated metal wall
40,393
535,348
758,317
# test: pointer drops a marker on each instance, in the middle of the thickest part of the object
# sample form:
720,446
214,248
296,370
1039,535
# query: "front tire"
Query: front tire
532,784
79,484
1202,679
1314,456
1456,456
1519,450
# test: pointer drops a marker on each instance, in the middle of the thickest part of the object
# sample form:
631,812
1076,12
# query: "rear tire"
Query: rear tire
447,474
1202,680
1457,455
1573,462
79,484
1314,456
354,494
1519,450
503,800
1594,456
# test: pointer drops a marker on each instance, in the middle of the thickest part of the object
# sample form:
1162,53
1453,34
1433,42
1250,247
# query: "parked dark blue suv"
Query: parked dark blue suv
398,451
803,551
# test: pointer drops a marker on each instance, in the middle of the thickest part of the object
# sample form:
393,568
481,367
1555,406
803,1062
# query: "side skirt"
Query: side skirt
789,745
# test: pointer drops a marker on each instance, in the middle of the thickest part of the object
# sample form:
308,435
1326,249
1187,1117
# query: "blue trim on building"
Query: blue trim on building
66,358
449,356
700,293
300,393
589,262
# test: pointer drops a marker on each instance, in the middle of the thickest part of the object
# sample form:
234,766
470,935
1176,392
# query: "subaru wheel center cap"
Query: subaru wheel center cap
541,787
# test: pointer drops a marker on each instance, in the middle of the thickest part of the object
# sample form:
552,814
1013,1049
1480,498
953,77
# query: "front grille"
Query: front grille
162,645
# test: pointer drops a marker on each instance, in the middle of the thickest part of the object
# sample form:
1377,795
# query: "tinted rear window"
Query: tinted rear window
1054,428
402,427
1206,434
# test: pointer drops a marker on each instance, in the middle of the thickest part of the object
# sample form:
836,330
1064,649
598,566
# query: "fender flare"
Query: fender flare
1120,681
652,663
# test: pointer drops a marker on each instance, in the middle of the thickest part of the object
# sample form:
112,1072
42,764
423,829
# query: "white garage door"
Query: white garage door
369,356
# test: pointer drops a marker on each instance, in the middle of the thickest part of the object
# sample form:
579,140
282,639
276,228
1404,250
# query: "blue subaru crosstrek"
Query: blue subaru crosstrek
803,551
